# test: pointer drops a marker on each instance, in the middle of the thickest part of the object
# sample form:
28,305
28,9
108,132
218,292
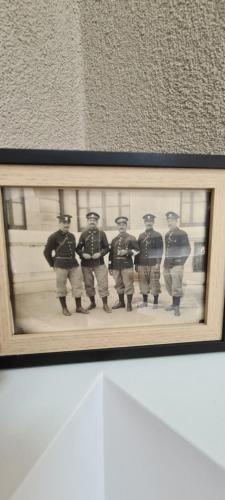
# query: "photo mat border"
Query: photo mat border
123,159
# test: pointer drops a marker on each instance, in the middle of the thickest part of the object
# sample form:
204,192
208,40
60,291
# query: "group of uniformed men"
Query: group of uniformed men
125,252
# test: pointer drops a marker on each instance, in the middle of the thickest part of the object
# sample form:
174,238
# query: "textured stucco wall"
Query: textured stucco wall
42,92
113,74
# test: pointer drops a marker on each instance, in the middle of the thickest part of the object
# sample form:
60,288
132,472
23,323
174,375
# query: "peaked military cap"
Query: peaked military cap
93,215
172,215
121,219
148,217
65,218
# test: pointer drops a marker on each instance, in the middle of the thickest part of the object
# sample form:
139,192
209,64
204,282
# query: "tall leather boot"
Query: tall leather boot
105,305
176,306
145,301
121,302
155,302
79,308
129,302
65,311
92,305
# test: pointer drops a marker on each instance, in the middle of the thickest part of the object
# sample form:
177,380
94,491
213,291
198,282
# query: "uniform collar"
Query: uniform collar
175,230
63,233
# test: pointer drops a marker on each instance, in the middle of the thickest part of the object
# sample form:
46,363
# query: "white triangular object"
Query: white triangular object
72,466
144,459
113,448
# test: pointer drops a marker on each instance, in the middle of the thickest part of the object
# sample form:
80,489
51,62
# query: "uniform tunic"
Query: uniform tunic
177,250
147,261
60,254
151,248
122,266
177,247
65,255
94,241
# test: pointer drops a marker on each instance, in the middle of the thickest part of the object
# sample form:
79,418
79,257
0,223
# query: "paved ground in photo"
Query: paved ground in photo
41,312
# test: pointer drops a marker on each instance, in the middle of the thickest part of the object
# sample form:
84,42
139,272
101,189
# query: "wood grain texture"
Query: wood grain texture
93,177
123,177
100,339
6,320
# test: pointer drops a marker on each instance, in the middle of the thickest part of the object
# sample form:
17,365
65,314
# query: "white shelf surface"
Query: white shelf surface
186,392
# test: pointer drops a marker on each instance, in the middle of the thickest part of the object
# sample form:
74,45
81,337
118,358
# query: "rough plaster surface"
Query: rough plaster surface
42,93
113,75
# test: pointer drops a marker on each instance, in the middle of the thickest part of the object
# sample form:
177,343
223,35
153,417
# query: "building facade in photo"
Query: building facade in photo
31,215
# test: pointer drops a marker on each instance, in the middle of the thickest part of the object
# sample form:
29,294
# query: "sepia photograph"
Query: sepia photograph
81,259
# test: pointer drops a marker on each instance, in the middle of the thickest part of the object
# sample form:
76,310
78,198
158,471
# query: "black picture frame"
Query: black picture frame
116,159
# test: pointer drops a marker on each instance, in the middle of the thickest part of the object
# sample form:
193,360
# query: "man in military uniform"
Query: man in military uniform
177,250
92,247
60,254
123,247
148,260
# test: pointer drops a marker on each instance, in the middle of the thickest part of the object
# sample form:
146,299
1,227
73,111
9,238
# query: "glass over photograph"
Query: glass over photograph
81,259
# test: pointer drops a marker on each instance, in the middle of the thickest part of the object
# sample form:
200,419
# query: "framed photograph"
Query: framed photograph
110,255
